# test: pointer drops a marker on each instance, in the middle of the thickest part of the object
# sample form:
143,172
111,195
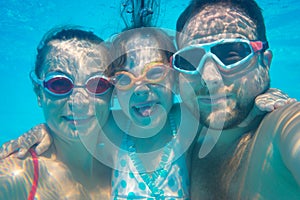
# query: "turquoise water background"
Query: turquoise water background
23,23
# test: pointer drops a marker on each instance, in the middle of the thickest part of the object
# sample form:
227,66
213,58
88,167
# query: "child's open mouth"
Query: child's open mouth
144,109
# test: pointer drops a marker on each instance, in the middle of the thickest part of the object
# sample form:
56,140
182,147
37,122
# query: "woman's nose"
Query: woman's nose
79,101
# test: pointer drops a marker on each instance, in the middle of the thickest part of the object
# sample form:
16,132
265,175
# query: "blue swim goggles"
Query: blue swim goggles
229,54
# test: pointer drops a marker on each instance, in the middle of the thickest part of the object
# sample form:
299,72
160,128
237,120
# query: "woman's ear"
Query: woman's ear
38,92
267,58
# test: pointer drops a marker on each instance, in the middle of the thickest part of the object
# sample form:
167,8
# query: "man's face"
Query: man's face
224,97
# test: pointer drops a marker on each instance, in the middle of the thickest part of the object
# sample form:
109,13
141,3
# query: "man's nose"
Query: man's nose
210,74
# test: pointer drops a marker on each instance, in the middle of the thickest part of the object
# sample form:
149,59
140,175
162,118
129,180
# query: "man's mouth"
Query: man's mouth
213,99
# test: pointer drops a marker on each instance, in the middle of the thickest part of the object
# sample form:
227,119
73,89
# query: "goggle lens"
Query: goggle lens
122,80
154,73
62,85
228,53
97,85
231,52
189,59
59,85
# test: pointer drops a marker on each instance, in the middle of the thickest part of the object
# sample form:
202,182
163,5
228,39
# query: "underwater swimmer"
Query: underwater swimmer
70,83
249,158
268,101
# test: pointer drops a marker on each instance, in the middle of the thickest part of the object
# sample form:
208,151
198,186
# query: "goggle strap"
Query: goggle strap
265,45
35,79
259,46
171,61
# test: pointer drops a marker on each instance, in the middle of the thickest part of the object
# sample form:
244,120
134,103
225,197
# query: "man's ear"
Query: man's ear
267,58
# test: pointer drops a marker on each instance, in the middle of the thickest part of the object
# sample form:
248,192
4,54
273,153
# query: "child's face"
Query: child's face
149,96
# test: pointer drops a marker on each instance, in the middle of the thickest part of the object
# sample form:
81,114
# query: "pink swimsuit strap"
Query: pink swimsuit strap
35,174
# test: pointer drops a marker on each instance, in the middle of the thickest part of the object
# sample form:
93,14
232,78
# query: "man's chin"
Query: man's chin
214,125
219,120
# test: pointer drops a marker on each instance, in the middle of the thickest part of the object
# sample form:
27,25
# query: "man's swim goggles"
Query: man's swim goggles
62,85
229,54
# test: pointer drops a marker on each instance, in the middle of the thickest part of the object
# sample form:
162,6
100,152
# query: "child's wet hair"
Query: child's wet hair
118,44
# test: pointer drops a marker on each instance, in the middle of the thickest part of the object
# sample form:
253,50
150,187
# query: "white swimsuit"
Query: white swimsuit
170,181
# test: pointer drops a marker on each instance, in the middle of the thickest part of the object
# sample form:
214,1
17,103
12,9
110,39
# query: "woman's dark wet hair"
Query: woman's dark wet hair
65,33
118,48
249,7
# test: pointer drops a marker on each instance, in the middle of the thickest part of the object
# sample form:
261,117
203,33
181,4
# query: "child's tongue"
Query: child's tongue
144,111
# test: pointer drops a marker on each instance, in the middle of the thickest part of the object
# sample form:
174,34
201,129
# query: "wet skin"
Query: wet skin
223,97
224,100
66,169
145,104
71,113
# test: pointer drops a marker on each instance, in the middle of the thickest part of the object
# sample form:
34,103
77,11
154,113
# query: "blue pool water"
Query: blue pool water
23,22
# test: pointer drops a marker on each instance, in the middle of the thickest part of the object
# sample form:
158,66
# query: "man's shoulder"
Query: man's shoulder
274,138
276,121
284,114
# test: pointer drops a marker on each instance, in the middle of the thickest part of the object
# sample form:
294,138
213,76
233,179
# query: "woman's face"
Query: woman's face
146,102
80,111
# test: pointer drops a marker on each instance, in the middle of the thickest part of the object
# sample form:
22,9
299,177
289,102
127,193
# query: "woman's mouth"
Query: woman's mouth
78,120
